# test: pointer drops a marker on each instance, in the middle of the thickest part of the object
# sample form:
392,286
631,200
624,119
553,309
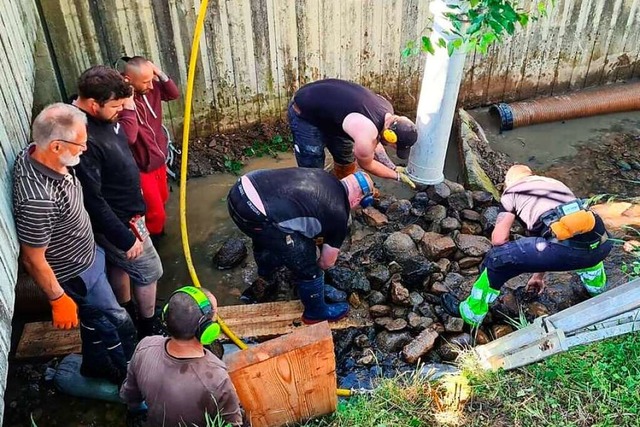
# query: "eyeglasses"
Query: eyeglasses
72,143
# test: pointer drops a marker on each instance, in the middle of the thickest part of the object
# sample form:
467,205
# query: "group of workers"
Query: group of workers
89,194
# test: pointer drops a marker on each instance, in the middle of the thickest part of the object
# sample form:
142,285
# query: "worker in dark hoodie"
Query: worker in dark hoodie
141,120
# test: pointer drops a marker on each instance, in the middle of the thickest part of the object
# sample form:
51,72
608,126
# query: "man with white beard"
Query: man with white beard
57,244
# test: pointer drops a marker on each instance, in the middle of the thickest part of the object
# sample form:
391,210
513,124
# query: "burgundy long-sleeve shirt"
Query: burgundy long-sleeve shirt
143,126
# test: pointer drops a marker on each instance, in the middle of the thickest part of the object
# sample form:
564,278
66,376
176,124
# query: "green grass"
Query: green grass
271,147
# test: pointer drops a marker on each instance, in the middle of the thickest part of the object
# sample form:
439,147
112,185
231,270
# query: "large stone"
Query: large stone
382,321
399,211
460,201
489,217
379,310
378,275
435,246
470,215
455,187
414,231
420,345
469,262
375,298
475,246
415,271
449,224
396,325
399,294
435,213
373,217
232,253
348,280
391,342
439,192
482,198
399,246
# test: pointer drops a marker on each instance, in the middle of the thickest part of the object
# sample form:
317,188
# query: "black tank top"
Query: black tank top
325,104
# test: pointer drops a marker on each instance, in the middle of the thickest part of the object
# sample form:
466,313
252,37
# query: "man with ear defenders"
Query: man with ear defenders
176,380
353,123
284,211
564,236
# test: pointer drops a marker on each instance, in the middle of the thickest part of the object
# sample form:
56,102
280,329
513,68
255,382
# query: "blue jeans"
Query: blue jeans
108,333
538,255
309,143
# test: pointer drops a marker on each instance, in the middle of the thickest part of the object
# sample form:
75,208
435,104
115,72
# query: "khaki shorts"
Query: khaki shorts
144,270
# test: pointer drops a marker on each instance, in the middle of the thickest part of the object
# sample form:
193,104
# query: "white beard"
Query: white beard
69,160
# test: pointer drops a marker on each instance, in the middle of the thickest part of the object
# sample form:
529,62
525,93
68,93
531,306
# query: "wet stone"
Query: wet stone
443,265
400,312
435,213
375,298
436,246
399,211
431,299
399,294
378,275
420,345
455,187
482,198
373,217
232,253
468,227
469,262
439,192
382,321
379,310
489,217
449,224
454,324
348,280
391,342
354,300
470,215
474,246
460,201
362,341
420,200
415,270
415,299
399,246
396,325
414,231
383,203
453,281
439,288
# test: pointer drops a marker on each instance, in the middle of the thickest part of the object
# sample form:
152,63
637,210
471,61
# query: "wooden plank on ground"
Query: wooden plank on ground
41,339
297,371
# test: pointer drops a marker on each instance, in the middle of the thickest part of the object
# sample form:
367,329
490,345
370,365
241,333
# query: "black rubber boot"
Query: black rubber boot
315,308
451,304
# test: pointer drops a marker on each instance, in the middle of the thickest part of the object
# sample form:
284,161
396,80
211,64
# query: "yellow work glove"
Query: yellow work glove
402,176
65,312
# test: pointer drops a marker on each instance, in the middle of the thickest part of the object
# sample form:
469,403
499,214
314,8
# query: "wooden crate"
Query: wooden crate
288,379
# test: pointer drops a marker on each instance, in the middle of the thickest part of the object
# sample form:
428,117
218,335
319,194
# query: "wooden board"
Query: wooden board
40,339
288,379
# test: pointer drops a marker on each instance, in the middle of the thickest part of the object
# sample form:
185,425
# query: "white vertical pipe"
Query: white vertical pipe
437,102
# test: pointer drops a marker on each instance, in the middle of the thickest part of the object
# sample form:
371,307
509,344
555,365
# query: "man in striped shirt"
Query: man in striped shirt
57,244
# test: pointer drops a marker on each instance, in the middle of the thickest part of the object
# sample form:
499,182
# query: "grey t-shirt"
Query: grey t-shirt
529,198
178,392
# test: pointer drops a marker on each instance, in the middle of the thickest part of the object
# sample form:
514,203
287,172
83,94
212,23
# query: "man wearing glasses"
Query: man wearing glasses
113,197
57,244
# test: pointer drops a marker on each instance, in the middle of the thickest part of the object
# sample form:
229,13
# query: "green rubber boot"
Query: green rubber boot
476,306
594,279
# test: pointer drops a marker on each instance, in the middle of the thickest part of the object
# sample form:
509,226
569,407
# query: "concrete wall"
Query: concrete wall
24,58
255,53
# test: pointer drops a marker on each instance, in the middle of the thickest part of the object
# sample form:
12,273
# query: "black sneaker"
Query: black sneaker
451,304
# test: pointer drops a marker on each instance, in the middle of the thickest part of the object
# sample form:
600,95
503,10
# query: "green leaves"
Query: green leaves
478,24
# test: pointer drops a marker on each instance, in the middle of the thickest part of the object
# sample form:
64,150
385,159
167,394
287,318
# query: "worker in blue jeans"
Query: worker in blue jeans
285,212
563,236
354,124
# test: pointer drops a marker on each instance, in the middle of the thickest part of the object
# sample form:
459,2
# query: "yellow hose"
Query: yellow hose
183,167
183,174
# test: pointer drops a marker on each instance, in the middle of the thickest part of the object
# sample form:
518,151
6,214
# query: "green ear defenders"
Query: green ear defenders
208,329
367,198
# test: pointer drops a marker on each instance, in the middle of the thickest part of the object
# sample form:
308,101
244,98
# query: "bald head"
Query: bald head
183,314
138,72
515,174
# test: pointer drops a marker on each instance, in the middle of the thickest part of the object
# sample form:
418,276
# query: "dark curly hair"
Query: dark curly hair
103,84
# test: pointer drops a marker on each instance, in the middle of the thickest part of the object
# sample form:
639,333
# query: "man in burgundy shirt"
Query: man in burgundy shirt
141,119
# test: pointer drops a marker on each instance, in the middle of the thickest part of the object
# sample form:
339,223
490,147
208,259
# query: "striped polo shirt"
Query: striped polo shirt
49,212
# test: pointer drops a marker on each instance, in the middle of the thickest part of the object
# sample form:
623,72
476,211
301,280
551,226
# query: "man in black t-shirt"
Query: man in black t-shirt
353,123
284,211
